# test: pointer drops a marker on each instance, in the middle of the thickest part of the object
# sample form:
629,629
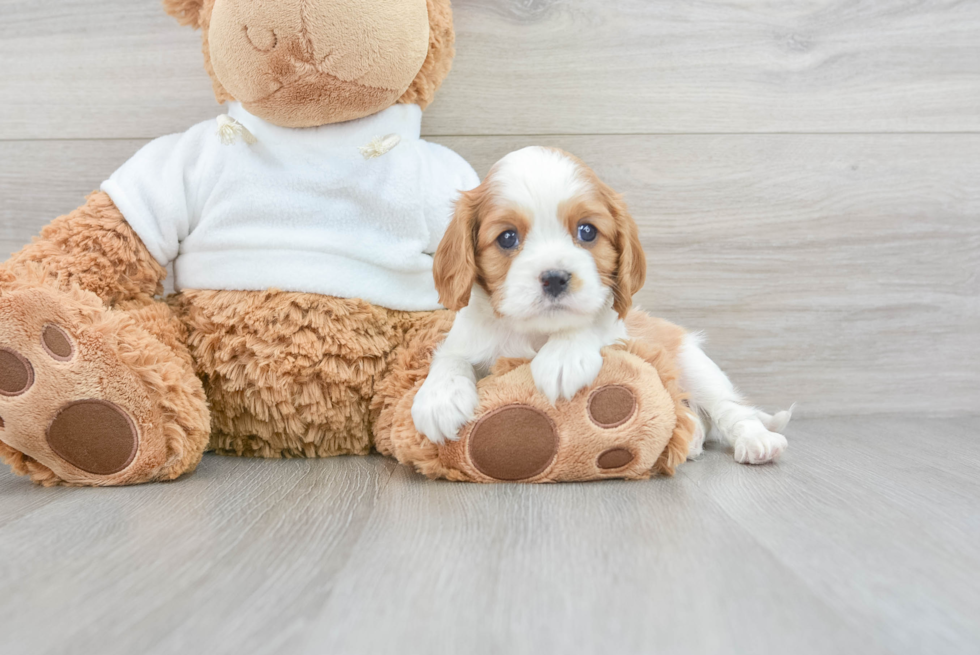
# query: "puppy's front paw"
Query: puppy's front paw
754,444
563,368
444,405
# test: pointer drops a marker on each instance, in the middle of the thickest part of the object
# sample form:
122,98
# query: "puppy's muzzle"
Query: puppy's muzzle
555,283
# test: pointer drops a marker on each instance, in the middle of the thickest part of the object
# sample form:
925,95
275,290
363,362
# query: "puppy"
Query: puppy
541,262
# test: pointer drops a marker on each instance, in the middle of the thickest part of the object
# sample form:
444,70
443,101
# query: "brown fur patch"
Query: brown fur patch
623,267
658,342
319,99
493,262
605,249
291,374
454,264
95,249
187,12
469,253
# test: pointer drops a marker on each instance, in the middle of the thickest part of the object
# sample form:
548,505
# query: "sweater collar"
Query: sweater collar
403,120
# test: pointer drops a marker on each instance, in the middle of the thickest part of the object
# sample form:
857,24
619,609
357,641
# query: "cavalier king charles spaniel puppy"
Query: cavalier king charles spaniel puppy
541,262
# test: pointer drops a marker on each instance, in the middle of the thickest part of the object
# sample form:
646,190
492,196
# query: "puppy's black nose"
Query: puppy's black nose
555,283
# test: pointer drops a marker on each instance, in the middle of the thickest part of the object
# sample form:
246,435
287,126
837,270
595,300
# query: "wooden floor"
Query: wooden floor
862,540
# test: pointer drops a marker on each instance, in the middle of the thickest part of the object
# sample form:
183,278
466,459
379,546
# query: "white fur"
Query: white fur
563,336
538,181
562,363
752,433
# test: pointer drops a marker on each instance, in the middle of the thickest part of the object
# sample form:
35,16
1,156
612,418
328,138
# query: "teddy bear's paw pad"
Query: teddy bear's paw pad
16,373
94,435
615,458
511,443
611,406
57,343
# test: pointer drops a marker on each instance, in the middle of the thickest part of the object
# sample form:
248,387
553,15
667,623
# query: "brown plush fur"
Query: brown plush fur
439,61
311,93
131,357
187,12
291,374
95,249
659,434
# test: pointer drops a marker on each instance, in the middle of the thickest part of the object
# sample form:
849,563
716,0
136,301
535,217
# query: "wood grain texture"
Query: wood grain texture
852,512
123,69
184,567
862,539
837,271
593,568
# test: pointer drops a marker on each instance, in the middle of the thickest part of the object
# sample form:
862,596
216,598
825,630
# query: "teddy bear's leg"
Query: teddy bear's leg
629,424
96,386
289,374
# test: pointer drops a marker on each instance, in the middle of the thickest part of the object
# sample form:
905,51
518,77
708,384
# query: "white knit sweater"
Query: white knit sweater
306,210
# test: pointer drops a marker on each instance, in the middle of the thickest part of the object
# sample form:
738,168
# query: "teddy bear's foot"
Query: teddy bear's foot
88,397
522,442
628,424
616,429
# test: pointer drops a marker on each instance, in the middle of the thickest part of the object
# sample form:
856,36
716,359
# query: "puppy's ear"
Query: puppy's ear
187,12
454,265
631,271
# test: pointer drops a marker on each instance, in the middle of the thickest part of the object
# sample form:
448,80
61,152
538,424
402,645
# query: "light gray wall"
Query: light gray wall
806,175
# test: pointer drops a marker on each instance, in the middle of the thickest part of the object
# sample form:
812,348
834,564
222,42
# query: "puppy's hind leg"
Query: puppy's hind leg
776,422
747,430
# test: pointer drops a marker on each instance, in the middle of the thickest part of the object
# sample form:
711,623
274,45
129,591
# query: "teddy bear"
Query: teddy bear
301,227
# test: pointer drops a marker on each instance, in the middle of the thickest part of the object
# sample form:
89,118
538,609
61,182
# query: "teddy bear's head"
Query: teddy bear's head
303,63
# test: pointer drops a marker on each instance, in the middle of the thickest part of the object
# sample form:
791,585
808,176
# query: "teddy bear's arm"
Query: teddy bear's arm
93,247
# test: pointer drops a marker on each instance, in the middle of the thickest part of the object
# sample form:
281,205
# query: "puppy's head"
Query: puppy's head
550,243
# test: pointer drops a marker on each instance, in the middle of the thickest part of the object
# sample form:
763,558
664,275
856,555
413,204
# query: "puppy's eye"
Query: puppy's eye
587,232
508,240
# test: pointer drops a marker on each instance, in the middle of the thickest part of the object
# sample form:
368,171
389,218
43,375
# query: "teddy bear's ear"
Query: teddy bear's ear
187,12
439,60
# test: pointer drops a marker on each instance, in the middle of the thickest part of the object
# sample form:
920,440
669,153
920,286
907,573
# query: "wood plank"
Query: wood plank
596,568
879,516
117,69
837,271
20,499
234,554
861,539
